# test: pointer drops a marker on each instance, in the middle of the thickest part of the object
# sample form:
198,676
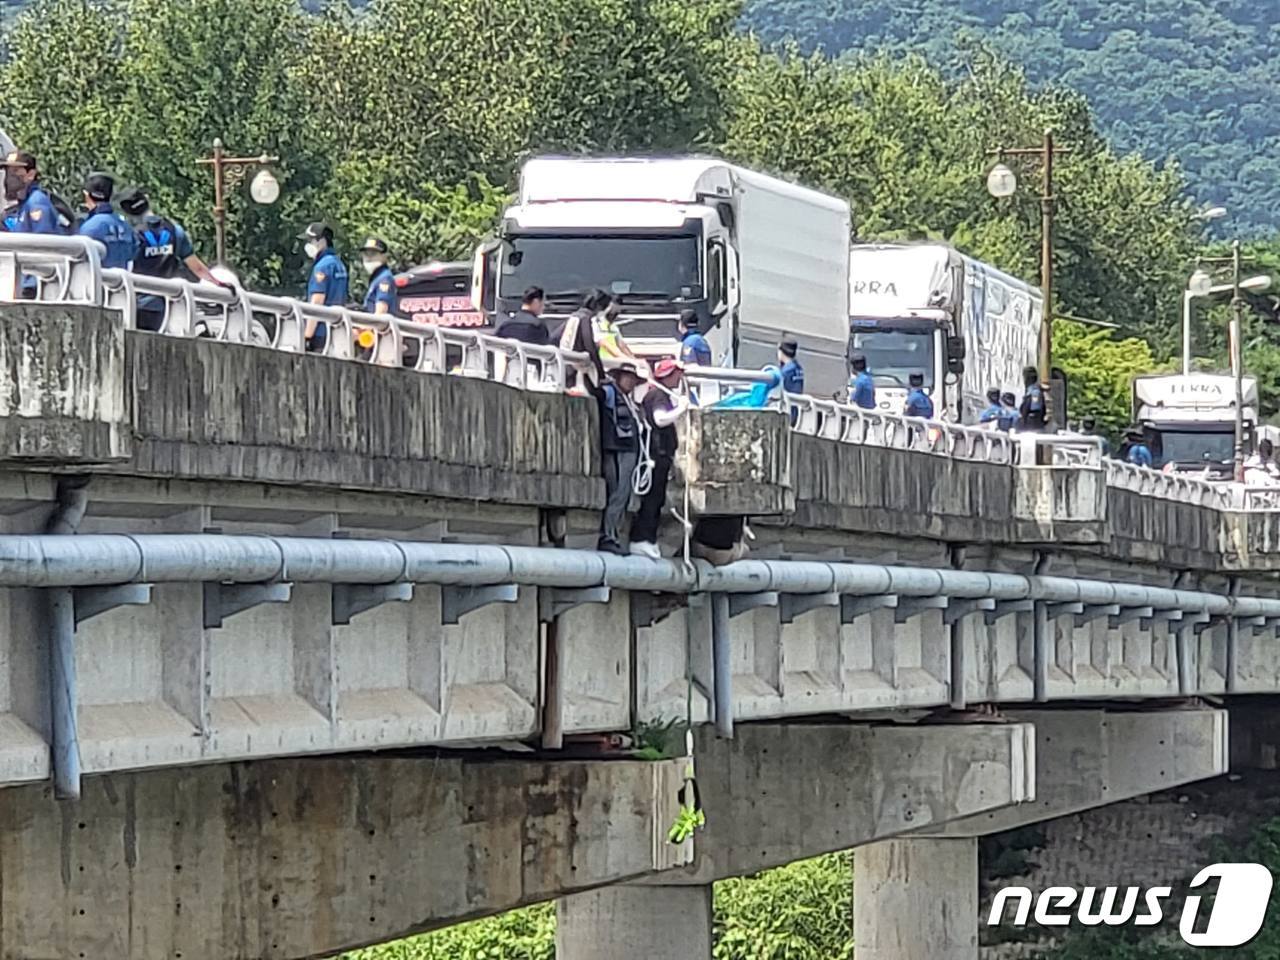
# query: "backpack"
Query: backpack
67,218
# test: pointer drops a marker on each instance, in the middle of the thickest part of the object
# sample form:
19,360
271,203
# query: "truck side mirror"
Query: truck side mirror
955,365
956,349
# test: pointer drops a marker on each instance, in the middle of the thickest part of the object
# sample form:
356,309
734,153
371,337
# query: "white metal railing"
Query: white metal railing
1170,486
69,270
1059,450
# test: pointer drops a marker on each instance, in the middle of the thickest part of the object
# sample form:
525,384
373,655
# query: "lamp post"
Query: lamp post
1001,182
264,189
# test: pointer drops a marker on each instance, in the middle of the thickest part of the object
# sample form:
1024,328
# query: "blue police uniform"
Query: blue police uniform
919,404
1140,455
862,391
1008,418
114,232
328,277
792,377
993,412
695,349
36,214
382,289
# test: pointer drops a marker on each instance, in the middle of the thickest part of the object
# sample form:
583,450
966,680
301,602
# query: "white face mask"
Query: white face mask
312,249
370,264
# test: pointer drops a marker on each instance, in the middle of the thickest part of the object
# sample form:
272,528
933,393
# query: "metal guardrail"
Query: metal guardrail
69,270
1173,486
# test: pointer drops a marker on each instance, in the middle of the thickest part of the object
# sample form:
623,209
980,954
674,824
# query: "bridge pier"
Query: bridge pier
631,922
916,899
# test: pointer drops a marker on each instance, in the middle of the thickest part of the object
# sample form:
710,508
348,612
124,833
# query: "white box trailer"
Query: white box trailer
927,308
755,258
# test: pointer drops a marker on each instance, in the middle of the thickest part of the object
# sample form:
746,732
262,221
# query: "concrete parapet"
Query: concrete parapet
905,493
208,410
740,463
305,858
65,400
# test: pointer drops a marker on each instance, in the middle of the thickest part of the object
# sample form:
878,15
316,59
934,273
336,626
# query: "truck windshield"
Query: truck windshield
1189,448
893,355
640,269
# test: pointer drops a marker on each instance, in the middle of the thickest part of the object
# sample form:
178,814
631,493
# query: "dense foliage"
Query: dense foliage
411,121
1187,78
798,912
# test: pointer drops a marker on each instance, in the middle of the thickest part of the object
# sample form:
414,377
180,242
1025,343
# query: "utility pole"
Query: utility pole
1237,361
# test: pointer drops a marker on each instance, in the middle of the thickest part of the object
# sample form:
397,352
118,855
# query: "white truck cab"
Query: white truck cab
755,259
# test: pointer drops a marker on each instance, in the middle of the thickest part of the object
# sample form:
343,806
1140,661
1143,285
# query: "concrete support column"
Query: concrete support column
635,923
916,900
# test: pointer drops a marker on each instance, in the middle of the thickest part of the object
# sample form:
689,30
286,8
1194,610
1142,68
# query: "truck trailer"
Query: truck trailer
755,258
1189,420
928,308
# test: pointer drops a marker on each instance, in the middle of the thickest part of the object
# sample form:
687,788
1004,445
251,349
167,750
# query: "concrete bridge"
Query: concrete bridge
292,641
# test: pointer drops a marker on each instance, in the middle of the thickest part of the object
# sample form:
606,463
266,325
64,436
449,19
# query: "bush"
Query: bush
797,912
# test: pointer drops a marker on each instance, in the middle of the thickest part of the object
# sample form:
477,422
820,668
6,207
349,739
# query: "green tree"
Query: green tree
908,147
1100,371
190,79
61,87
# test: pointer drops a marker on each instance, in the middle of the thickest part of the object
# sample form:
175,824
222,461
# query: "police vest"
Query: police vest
157,249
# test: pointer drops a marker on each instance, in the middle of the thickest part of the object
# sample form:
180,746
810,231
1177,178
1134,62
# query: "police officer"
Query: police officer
381,296
694,348
1034,410
792,372
326,283
105,225
862,389
35,212
993,411
163,250
1138,453
918,402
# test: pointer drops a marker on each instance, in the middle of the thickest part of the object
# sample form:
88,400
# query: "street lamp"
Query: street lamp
1001,183
265,188
1234,334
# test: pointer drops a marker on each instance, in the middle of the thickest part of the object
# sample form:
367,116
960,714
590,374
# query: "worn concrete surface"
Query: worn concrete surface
1090,758
630,922
291,859
782,792
851,487
741,462
207,410
63,399
916,900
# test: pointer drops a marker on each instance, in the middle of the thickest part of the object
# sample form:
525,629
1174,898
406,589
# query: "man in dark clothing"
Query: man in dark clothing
164,249
576,333
662,407
619,451
527,325
1034,410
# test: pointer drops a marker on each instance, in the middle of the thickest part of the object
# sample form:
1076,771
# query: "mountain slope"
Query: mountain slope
1191,79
